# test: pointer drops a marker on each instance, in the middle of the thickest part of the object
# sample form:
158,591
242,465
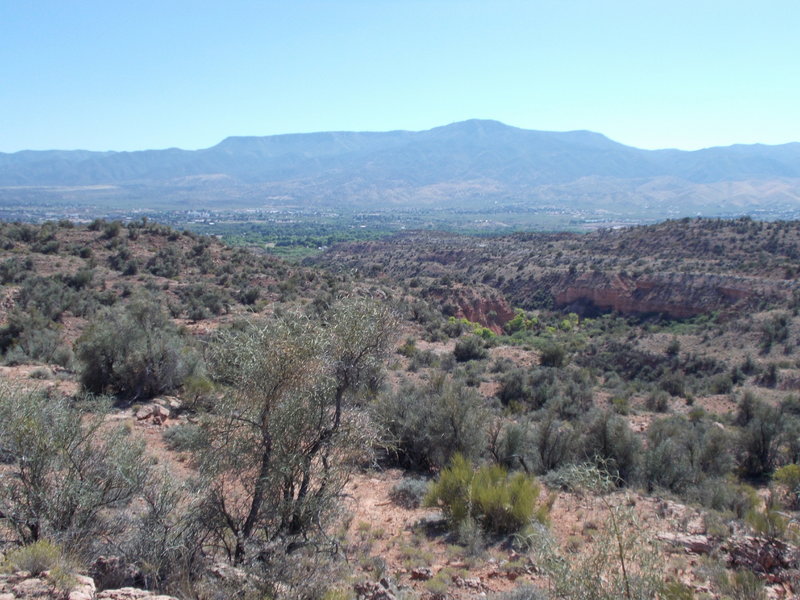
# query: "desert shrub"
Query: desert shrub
682,453
423,359
607,437
133,351
65,469
502,365
35,558
197,393
470,348
724,494
768,521
40,558
470,536
515,386
41,373
15,269
749,366
747,408
553,355
790,405
554,443
740,585
674,347
291,387
202,300
769,376
774,330
673,383
788,476
525,591
565,392
573,397
184,437
666,467
248,296
721,384
46,245
121,258
499,502
409,493
111,230
520,322
760,437
409,348
423,426
657,401
790,449
49,295
30,336
167,262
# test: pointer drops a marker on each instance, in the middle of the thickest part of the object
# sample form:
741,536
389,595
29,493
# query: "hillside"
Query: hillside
468,165
193,419
678,268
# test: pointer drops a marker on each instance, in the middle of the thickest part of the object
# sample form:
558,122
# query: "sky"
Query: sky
133,75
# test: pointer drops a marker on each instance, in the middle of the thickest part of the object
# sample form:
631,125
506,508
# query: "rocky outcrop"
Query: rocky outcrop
24,586
677,295
479,304
773,559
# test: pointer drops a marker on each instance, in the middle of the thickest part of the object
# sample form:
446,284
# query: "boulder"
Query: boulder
370,590
131,594
694,544
421,574
84,588
144,412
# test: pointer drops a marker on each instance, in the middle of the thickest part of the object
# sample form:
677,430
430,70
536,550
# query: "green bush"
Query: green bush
760,438
30,336
423,426
516,387
553,444
167,262
658,401
789,477
499,502
673,383
470,348
202,300
683,453
133,351
65,468
608,437
35,558
553,355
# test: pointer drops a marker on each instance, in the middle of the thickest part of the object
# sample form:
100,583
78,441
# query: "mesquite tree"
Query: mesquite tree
280,441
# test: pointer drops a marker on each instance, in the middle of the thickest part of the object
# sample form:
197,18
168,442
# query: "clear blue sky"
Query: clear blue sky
136,74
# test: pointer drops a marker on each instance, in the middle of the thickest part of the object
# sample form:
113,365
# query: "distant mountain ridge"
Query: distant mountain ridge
471,161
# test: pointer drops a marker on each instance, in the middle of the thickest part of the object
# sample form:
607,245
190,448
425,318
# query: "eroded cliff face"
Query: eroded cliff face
479,304
677,295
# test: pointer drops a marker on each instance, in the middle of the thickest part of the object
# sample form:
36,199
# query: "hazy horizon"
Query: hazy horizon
174,147
101,76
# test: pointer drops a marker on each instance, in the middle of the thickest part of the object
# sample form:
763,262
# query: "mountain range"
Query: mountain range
470,164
